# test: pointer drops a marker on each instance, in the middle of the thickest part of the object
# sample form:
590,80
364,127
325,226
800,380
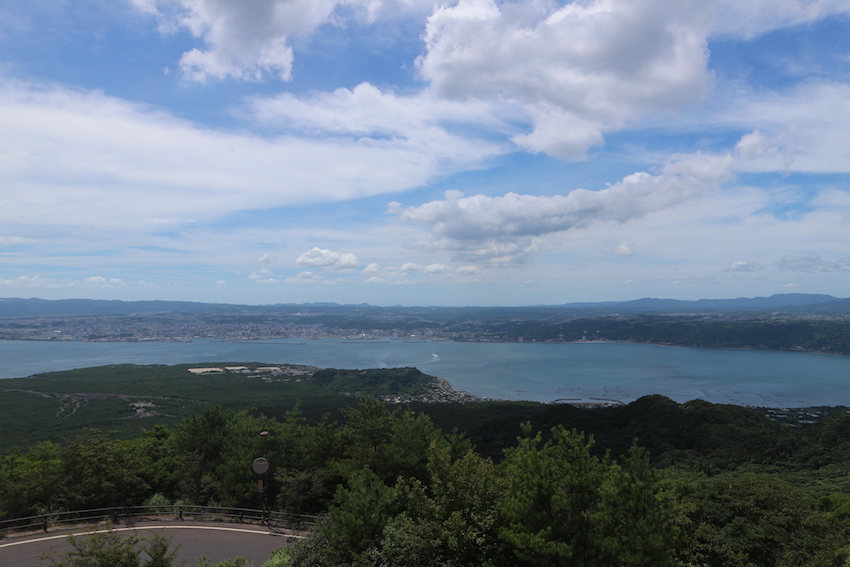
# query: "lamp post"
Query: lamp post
261,467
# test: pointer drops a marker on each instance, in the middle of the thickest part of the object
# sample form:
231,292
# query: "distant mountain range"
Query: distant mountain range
791,303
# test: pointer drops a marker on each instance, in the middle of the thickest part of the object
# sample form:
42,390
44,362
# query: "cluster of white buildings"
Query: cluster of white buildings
265,370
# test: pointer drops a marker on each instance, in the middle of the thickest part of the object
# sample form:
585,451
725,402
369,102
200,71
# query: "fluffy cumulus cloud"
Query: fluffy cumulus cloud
250,40
813,263
570,72
573,71
243,40
507,228
436,269
322,258
578,69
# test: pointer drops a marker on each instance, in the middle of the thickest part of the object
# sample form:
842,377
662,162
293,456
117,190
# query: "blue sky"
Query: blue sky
469,152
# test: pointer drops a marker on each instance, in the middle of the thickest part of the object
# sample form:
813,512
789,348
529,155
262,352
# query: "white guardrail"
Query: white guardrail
130,514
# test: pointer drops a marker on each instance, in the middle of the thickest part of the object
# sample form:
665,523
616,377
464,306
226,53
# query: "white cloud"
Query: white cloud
305,278
373,268
395,280
801,129
15,240
754,145
29,282
833,199
411,267
101,184
423,121
468,271
251,40
743,266
42,282
77,157
624,249
754,17
403,273
578,70
813,263
575,71
244,40
146,6
369,111
436,269
322,258
570,73
505,229
263,275
100,281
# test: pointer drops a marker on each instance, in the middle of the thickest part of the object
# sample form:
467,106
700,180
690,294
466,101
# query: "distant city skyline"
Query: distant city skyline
413,152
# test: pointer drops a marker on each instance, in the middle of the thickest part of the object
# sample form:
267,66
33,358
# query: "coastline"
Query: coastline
542,371
287,341
444,392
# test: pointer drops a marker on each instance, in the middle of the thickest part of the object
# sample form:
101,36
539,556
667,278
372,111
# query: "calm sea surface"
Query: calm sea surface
515,371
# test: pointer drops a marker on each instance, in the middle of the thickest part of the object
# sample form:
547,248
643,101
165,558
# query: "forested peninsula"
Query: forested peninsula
653,482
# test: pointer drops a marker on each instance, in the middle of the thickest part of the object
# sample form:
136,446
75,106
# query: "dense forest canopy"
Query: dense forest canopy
651,483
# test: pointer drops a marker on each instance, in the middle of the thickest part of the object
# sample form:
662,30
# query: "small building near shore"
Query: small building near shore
209,370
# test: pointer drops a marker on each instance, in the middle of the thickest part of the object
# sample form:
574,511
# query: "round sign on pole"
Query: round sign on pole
260,465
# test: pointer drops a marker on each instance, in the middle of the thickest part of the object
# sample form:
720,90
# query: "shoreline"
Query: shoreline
286,341
496,372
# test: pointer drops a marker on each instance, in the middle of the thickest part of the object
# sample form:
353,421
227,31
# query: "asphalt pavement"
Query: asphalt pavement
216,540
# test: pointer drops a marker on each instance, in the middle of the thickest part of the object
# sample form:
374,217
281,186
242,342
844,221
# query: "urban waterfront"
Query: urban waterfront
514,371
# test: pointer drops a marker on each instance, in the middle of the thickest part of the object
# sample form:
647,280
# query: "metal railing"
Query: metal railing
132,514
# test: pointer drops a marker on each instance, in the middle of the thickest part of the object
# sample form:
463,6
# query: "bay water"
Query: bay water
513,371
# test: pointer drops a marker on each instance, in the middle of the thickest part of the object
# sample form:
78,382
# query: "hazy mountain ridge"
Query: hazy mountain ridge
789,302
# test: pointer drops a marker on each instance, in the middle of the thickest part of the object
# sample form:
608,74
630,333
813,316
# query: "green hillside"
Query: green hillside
55,406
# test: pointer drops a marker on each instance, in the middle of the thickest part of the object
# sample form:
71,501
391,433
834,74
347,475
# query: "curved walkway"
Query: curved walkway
216,540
